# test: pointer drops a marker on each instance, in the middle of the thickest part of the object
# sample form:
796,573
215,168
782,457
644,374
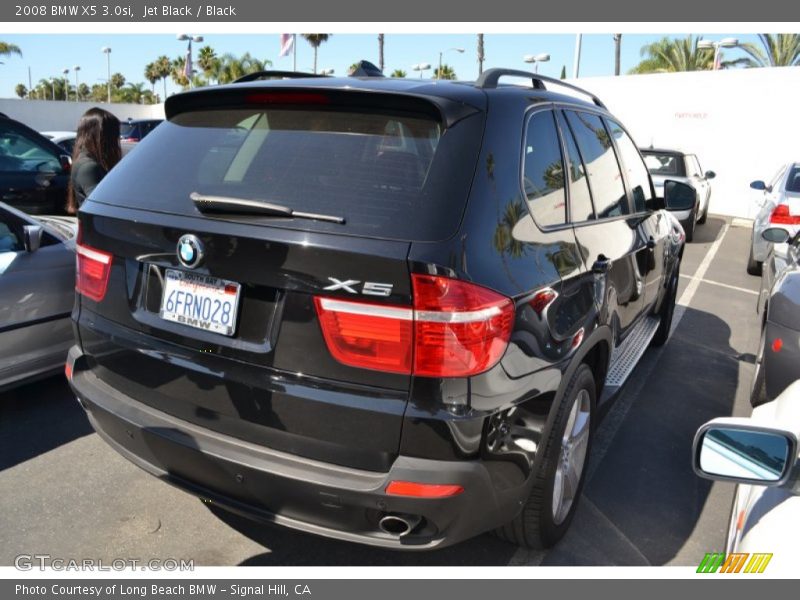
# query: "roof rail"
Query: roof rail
490,78
275,75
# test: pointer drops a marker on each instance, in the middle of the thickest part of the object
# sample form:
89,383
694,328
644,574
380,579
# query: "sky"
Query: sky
48,55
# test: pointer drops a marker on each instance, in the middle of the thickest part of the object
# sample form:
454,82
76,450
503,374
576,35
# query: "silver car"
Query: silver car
778,206
760,454
37,289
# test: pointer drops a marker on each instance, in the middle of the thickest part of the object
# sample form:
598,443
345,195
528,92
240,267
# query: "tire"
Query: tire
758,393
690,226
753,266
666,312
554,497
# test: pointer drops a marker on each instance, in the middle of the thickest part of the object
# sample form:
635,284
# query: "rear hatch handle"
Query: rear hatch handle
238,206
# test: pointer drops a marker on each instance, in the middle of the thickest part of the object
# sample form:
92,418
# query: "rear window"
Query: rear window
126,130
664,164
793,180
399,176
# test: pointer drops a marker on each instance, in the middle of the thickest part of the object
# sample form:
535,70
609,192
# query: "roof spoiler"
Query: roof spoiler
257,75
364,68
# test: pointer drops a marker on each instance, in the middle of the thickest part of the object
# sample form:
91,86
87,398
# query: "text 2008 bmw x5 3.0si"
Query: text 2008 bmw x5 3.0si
385,311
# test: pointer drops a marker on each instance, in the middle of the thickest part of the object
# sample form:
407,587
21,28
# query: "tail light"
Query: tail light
422,490
781,216
92,268
455,329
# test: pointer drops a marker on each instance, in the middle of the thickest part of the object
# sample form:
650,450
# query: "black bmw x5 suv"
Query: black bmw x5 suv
385,311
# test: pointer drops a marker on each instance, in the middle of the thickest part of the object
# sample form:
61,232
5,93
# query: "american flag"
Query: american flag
187,67
287,41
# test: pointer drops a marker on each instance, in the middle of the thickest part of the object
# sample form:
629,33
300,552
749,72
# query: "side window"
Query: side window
20,153
635,169
605,178
543,174
10,240
580,199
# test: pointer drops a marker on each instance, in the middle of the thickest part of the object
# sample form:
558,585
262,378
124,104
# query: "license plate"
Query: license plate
200,301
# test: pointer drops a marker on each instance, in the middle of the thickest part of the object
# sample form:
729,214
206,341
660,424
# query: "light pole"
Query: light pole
724,43
439,72
576,66
187,68
421,67
107,52
66,84
76,68
536,59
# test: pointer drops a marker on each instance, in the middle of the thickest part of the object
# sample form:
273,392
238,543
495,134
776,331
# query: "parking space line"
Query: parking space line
725,285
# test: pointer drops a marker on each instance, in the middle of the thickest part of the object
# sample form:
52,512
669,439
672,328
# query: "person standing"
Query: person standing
97,150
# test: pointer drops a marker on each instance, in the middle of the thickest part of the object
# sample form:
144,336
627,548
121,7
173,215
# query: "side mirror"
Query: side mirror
66,162
678,196
776,235
731,449
710,174
32,235
758,185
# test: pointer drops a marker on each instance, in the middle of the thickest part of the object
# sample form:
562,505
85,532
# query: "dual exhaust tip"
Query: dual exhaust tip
399,525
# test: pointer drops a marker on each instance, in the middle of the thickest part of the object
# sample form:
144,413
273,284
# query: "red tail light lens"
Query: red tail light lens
422,490
781,216
456,329
92,270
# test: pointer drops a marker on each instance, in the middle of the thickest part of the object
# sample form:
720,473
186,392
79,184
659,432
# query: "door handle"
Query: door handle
601,265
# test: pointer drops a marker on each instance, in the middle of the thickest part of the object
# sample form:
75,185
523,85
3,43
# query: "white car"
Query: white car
677,165
778,206
760,454
65,139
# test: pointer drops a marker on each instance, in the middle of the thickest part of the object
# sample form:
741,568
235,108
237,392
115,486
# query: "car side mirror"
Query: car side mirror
32,237
66,162
776,235
710,174
758,185
678,196
738,450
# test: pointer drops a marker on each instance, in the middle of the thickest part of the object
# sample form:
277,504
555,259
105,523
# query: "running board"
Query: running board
626,356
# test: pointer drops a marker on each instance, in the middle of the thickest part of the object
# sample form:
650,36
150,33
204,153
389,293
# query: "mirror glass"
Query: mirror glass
710,174
678,196
775,235
744,453
758,185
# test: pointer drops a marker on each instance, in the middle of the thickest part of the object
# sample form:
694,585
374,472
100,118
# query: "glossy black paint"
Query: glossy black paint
274,382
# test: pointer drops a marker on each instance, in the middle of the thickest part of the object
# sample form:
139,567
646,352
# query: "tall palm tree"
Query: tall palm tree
20,90
176,72
673,55
380,51
7,49
316,40
152,76
117,80
232,67
447,72
617,52
779,50
163,66
209,63
481,55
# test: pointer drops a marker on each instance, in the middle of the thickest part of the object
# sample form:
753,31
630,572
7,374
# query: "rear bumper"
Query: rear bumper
289,490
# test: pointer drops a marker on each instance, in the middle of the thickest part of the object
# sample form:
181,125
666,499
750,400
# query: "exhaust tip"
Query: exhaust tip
399,525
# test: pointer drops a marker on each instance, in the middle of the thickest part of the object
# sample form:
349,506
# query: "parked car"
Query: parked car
37,291
135,130
760,454
384,311
778,359
34,172
779,206
65,139
681,166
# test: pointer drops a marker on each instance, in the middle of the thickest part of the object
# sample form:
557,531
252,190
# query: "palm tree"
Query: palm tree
207,60
163,67
316,40
674,55
176,72
617,52
133,93
7,49
398,73
117,80
152,76
779,50
20,90
84,91
232,67
380,51
446,73
481,55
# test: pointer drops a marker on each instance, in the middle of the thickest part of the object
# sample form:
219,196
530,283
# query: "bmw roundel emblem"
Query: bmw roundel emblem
190,251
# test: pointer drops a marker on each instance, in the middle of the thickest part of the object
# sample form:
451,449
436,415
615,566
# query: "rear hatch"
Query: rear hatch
280,197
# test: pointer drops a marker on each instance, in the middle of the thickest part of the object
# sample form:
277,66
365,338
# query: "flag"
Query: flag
287,41
187,67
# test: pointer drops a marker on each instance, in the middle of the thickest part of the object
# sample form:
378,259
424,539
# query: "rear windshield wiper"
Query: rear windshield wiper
242,206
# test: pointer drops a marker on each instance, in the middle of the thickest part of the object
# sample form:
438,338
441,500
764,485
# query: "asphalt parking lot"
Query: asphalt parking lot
65,493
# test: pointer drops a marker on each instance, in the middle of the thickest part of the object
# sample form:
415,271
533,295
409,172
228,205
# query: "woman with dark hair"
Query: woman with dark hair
96,151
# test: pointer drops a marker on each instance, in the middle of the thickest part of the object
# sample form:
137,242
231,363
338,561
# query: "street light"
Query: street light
421,67
439,72
76,68
723,43
66,84
536,59
107,51
187,69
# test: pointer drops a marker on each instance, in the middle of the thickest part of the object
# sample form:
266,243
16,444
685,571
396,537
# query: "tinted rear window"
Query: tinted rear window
400,176
664,164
